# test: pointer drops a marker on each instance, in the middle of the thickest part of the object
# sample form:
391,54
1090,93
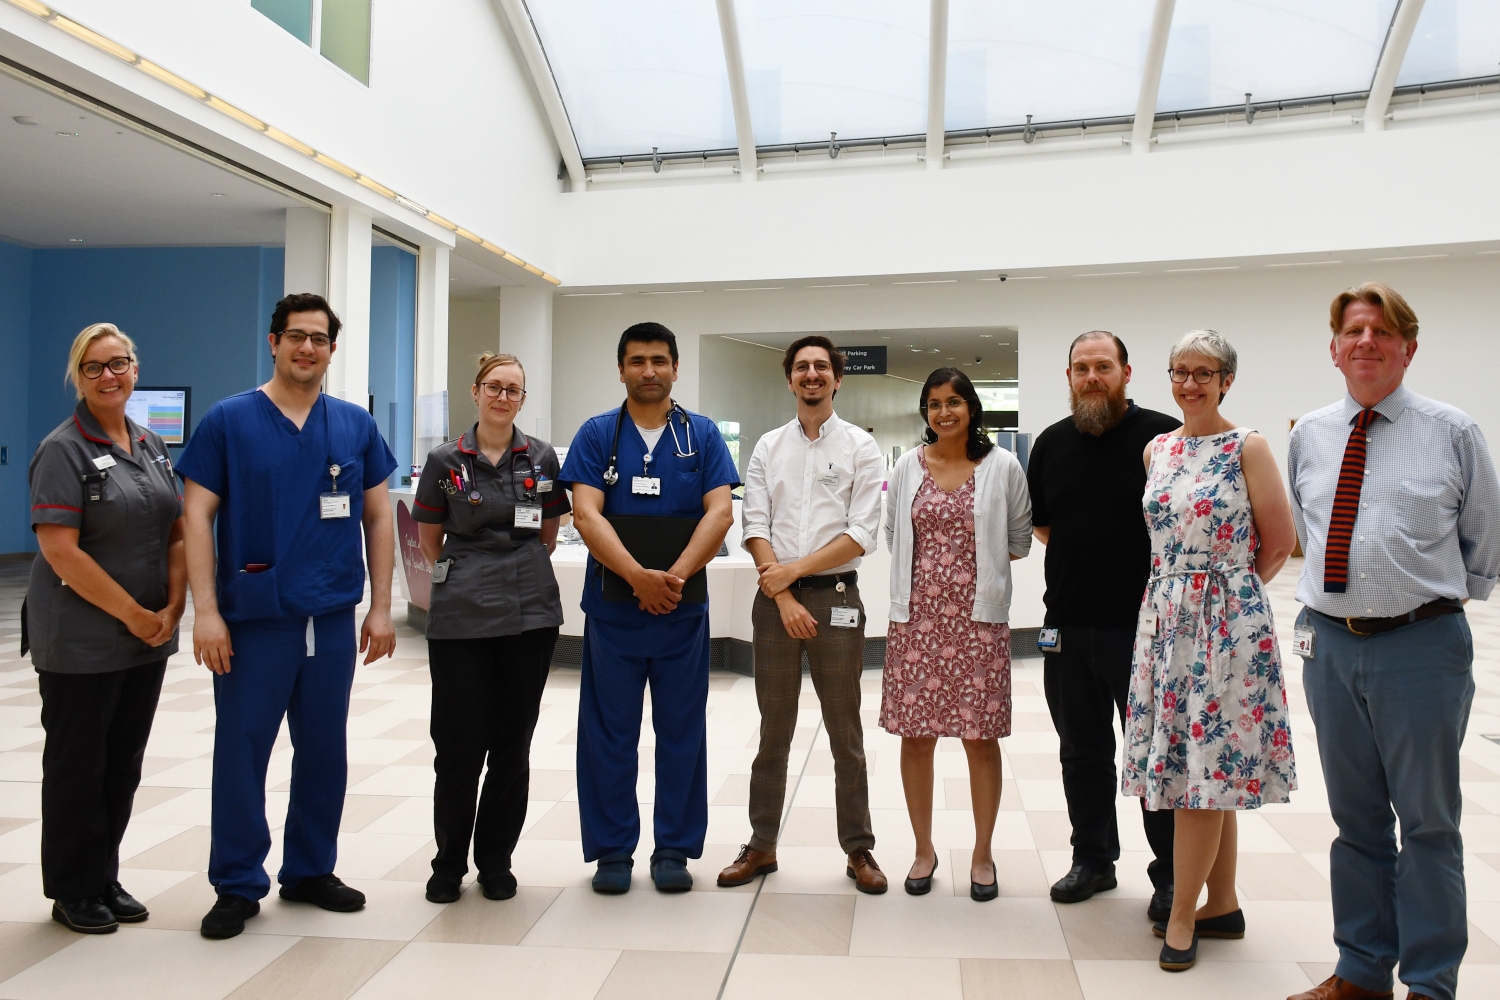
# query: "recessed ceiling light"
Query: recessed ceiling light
1419,256
68,133
26,120
916,350
857,284
985,336
217,194
932,281
1306,263
75,239
1194,270
1105,274
1482,251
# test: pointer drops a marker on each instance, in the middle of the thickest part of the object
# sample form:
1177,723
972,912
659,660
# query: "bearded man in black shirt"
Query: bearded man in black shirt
1087,477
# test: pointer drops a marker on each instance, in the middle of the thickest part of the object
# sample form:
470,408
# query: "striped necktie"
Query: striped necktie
1346,507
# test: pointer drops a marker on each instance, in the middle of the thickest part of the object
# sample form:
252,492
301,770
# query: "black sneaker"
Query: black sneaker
441,889
1081,883
86,916
227,918
126,908
1160,908
326,891
500,885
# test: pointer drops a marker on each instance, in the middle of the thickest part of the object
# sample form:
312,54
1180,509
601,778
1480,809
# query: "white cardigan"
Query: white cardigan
1002,528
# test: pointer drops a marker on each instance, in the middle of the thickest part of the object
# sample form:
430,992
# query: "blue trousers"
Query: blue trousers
671,654
272,676
1391,710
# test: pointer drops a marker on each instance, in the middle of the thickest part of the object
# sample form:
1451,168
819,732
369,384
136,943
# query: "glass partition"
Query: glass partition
1454,40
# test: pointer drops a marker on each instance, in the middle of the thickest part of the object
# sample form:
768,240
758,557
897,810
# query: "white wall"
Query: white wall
473,328
1276,318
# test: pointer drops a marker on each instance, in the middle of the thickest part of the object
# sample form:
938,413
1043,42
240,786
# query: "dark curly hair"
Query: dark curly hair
304,302
979,443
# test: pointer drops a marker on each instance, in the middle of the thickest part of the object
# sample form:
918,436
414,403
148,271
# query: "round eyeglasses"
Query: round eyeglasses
494,390
94,369
1202,376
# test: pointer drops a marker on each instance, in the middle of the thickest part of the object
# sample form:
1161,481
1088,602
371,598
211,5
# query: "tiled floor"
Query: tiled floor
804,932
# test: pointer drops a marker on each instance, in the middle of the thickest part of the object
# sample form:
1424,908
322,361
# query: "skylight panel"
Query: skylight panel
1454,40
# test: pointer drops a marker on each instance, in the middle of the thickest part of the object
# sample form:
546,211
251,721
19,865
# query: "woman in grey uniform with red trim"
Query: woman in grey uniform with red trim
489,506
100,617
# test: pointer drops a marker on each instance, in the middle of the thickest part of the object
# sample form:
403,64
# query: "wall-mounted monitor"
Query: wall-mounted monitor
167,410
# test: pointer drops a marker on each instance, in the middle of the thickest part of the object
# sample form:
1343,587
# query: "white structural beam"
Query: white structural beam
937,83
430,423
739,93
526,332
349,296
530,42
1156,56
1397,40
306,262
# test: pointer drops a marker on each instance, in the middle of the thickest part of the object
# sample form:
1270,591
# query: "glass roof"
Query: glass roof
638,73
819,66
1220,50
1055,60
1455,39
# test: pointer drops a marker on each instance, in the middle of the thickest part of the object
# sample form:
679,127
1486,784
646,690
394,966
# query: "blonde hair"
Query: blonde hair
488,362
81,345
1398,316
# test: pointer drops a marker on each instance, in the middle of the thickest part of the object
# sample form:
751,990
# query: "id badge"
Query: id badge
1147,625
1302,642
1049,640
645,486
332,505
104,462
829,479
528,516
842,616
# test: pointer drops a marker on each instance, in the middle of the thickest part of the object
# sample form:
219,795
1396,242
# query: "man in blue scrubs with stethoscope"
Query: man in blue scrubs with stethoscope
291,476
650,485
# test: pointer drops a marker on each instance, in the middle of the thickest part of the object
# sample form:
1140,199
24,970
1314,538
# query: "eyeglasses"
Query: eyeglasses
297,338
94,369
514,393
1202,376
821,367
956,403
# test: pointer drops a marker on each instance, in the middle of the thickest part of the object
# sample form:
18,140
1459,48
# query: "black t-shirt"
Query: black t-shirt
1088,490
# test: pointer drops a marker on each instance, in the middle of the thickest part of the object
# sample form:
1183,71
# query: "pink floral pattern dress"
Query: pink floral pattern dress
945,674
1206,722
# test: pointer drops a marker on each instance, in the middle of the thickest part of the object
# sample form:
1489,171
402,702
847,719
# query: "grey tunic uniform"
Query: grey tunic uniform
125,530
501,580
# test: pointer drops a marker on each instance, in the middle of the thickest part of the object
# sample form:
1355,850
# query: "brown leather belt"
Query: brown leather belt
1375,626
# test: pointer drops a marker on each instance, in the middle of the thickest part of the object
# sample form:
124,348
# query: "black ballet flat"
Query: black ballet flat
921,886
1227,925
984,893
1173,960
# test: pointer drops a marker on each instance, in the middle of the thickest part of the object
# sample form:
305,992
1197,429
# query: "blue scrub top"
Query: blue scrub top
268,476
684,481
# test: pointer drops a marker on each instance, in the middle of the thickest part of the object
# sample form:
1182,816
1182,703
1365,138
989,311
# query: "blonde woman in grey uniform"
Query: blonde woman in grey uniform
489,507
101,619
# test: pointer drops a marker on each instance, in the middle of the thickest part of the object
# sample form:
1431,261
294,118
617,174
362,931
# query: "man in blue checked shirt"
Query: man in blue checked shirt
1396,504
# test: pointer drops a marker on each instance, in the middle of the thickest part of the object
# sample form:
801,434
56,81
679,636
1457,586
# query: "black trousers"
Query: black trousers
97,726
1086,681
485,697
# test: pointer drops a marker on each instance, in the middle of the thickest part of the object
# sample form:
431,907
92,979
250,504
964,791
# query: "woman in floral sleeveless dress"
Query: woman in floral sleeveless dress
1206,727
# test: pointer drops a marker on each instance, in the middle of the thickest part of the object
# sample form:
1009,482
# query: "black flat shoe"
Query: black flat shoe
86,916
1160,907
921,886
500,885
1227,925
1173,960
126,908
228,916
1080,883
984,893
327,891
443,890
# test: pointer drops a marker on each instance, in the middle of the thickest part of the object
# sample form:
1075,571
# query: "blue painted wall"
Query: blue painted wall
393,338
15,349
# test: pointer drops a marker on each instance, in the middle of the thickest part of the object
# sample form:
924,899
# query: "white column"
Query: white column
739,93
349,295
306,267
1397,40
1156,57
526,332
432,349
937,83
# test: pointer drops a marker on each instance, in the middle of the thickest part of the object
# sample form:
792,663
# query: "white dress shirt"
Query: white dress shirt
1428,524
800,494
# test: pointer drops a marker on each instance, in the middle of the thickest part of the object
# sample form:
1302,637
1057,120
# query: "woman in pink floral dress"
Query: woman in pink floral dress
958,512
1206,720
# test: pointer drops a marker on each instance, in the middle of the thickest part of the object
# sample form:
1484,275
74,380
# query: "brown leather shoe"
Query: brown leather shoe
866,873
749,864
1334,988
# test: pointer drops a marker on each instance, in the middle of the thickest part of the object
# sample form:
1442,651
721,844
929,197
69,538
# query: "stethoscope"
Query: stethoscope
611,476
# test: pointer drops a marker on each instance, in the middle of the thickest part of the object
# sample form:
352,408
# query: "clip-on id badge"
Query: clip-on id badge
333,503
1049,640
528,516
646,485
841,615
1302,641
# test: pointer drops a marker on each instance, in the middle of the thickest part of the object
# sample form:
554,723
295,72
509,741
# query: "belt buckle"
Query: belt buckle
1349,624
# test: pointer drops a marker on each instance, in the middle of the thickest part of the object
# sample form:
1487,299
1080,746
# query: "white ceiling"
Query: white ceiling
105,185
984,353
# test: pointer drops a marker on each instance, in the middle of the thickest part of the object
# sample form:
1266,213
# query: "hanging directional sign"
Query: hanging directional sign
864,360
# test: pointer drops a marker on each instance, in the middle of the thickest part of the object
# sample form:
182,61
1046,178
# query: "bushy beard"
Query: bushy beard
1094,413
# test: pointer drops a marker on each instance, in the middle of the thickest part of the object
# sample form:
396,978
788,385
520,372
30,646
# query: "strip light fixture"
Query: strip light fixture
110,47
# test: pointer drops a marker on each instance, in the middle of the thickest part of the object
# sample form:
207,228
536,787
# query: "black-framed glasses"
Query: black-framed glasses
297,338
514,393
94,369
1202,376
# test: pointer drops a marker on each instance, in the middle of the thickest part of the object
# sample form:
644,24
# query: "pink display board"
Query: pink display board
418,569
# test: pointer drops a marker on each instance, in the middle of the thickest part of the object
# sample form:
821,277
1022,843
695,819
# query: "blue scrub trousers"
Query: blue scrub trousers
1391,710
671,654
272,676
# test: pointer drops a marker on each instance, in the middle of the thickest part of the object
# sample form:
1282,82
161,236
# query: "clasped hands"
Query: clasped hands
659,591
774,581
154,628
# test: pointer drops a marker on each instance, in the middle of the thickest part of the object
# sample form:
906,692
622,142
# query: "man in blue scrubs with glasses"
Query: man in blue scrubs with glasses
651,485
291,476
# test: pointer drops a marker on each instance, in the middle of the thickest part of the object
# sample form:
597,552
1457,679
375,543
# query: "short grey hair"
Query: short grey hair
1209,343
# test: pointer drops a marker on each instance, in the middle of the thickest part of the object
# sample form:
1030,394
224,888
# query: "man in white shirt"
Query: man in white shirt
812,510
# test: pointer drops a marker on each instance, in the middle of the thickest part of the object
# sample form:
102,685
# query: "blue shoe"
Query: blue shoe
613,877
669,872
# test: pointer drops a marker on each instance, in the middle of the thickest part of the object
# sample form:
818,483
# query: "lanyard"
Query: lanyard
333,467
